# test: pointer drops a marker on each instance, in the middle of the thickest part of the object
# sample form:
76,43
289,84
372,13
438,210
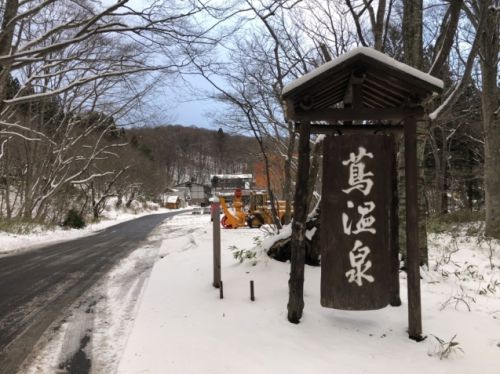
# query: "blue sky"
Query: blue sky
187,102
193,113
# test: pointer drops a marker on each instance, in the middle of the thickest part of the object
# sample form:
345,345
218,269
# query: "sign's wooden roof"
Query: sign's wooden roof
385,83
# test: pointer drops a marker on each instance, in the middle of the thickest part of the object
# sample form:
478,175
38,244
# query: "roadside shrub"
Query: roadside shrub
20,226
74,220
244,255
445,349
446,222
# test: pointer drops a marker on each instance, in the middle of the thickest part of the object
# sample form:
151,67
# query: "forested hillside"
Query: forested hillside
177,154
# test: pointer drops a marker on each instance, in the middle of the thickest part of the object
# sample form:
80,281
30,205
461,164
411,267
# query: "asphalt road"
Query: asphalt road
37,286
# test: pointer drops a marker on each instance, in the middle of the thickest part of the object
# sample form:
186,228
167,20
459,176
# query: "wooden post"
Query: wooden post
395,298
221,290
296,283
413,258
252,295
216,242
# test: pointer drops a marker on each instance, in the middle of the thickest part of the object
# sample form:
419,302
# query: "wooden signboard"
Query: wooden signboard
355,221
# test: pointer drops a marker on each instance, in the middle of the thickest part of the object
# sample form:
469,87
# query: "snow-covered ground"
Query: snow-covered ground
183,327
171,320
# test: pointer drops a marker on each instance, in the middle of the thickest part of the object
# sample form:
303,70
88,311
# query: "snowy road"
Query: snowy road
37,286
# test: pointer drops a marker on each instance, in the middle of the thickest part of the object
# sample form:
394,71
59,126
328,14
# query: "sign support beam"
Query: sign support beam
413,258
347,129
354,114
297,263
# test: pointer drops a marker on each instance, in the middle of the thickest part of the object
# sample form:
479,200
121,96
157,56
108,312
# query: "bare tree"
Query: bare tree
61,62
485,17
269,53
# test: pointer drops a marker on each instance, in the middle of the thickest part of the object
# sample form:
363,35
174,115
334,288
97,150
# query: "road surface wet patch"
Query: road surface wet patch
79,363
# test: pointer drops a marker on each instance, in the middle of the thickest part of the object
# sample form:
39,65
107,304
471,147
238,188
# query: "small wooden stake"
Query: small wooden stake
252,295
221,290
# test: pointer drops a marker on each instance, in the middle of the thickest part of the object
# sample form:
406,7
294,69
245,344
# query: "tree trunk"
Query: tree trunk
422,234
7,187
95,205
412,32
422,227
434,203
129,201
413,50
442,177
470,181
119,202
298,243
489,46
444,186
313,174
272,198
10,10
378,27
287,185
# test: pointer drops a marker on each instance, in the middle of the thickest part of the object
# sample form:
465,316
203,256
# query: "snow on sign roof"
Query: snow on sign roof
172,199
372,54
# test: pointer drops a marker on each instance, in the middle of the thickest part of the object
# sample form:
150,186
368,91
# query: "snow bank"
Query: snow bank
11,243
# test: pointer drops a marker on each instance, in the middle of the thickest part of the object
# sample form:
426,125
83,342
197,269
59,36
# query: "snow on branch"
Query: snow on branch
319,139
6,132
78,82
460,86
17,126
2,146
12,23
93,176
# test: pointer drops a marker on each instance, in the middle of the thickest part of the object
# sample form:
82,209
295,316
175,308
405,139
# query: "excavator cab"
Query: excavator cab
260,213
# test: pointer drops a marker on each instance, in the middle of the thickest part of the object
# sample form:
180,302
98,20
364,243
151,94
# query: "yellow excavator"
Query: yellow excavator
233,220
259,212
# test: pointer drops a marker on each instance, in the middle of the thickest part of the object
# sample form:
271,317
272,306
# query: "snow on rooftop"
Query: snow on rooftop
232,176
371,53
172,199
